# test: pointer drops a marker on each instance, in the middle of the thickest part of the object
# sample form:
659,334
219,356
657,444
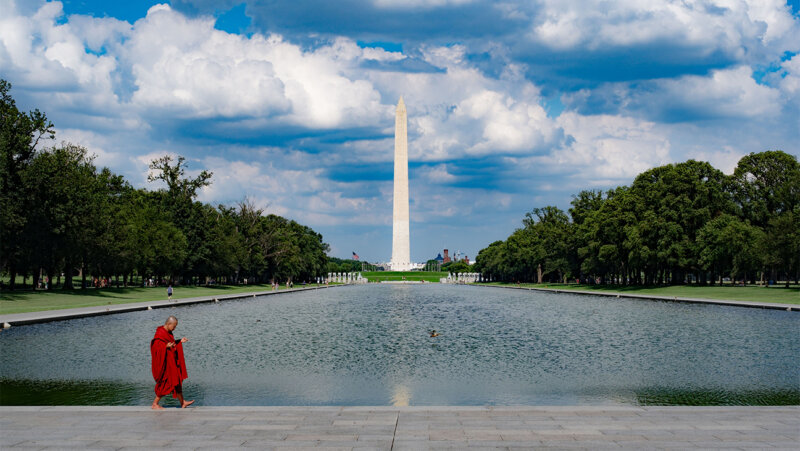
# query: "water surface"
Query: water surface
369,345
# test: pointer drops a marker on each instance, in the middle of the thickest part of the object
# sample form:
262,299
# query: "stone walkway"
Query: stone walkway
401,428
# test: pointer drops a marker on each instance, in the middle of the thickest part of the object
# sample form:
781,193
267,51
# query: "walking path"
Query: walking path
401,428
18,319
753,304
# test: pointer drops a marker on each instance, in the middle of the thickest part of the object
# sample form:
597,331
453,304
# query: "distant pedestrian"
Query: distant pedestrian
169,292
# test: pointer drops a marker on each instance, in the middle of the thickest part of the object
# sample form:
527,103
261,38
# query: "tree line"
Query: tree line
679,223
59,213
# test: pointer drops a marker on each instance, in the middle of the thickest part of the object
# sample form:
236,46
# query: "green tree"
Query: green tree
781,246
490,261
766,187
158,246
684,197
551,230
730,246
20,134
767,184
107,254
459,267
602,234
64,222
189,216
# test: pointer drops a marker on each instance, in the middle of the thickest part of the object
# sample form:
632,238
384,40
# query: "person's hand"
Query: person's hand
184,340
170,344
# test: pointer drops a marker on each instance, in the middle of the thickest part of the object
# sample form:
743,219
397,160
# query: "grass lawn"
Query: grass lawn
35,301
427,276
753,293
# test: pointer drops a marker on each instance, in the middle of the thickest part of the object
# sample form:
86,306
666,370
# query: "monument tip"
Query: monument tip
400,102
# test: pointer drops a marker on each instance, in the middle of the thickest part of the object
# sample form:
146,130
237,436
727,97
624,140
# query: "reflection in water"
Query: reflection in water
78,393
400,395
370,345
50,392
671,397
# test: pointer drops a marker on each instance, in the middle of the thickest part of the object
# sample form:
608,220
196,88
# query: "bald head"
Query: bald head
171,323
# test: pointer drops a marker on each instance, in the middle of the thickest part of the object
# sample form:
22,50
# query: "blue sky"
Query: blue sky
512,105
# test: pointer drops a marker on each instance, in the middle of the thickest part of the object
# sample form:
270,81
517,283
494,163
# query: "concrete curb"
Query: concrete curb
750,304
20,319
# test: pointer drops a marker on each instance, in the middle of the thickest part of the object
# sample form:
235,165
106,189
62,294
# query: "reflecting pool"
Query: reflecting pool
370,345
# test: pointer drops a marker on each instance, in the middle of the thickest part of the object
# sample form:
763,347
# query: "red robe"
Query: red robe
169,368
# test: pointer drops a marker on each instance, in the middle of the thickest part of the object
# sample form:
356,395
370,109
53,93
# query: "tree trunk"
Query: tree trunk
12,271
539,273
67,275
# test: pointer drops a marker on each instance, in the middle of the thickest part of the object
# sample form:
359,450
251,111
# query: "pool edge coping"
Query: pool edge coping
379,408
728,302
46,316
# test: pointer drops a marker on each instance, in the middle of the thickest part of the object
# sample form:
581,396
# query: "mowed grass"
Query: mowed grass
36,301
773,293
427,276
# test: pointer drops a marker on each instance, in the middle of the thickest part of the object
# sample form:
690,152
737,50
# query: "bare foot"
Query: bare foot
186,404
156,407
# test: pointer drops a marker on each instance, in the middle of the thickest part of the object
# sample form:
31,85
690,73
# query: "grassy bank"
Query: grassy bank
753,293
427,276
36,301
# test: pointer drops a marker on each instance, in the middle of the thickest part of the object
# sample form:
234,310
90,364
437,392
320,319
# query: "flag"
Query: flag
355,256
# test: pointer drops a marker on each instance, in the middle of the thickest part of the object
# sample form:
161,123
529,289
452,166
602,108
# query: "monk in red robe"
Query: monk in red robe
169,368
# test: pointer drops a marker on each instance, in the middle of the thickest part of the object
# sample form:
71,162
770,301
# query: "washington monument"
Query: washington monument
401,248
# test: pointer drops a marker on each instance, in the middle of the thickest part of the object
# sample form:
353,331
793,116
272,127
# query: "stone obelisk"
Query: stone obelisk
401,248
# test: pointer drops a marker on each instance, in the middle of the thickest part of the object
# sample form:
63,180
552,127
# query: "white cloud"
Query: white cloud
736,27
118,89
463,113
608,148
790,82
38,52
97,144
407,4
729,92
722,94
507,124
437,174
187,65
725,159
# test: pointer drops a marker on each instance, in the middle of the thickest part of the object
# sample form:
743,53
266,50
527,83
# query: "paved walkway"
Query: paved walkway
401,428
752,304
18,319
